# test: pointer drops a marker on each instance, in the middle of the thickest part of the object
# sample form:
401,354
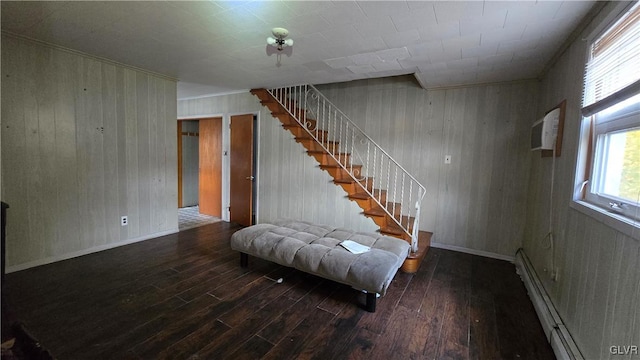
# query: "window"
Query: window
611,107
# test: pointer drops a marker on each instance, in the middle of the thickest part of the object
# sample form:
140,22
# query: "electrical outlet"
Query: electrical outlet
447,159
124,221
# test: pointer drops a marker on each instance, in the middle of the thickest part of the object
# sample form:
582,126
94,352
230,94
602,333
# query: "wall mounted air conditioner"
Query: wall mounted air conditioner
545,131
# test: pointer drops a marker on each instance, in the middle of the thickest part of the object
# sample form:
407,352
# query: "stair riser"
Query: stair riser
312,145
308,144
351,188
379,220
367,184
262,94
386,222
272,106
285,119
370,203
339,173
380,197
296,130
398,208
391,224
365,204
325,159
397,211
404,236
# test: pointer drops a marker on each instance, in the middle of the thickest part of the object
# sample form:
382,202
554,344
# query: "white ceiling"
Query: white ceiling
220,46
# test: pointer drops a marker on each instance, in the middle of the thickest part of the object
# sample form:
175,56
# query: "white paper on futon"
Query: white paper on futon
354,247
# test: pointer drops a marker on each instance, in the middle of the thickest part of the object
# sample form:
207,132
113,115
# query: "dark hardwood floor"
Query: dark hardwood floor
185,296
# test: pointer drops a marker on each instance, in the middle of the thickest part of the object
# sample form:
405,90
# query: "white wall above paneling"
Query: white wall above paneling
84,142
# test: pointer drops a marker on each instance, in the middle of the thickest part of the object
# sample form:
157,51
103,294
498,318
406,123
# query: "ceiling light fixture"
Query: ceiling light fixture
279,42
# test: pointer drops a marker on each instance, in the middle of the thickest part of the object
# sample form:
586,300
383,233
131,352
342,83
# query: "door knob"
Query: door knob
250,178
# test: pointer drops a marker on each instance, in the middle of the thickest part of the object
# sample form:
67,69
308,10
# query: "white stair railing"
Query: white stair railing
381,177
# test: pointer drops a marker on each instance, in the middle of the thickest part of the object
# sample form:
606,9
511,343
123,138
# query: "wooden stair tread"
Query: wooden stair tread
375,212
311,152
349,181
297,124
321,154
331,166
413,261
305,137
376,192
391,231
279,114
325,143
304,134
360,196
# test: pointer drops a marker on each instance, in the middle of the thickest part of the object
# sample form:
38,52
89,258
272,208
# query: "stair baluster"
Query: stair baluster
326,128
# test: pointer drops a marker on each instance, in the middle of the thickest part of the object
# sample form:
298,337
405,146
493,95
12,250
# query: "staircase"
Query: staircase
384,190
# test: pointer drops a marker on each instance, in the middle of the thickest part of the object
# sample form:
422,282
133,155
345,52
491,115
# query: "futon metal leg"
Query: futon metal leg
371,302
244,260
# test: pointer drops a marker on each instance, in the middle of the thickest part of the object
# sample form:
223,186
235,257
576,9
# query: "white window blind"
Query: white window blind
613,70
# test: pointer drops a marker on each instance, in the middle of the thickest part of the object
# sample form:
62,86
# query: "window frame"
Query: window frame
593,194
593,130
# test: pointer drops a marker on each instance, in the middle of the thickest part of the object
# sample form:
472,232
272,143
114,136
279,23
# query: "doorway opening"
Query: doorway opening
199,172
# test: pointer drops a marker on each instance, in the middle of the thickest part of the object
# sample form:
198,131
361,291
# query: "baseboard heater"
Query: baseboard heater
557,334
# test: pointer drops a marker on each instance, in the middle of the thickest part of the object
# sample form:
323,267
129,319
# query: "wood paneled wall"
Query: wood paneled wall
598,290
84,142
290,183
478,201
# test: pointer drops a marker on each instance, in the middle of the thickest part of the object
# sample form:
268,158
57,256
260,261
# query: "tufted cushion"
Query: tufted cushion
315,249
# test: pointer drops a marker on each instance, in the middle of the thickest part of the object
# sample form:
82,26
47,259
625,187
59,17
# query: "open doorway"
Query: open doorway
199,172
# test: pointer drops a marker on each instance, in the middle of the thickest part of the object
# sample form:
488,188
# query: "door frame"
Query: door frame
226,164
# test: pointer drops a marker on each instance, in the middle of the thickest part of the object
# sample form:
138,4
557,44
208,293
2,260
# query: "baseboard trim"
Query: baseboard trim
488,254
557,334
92,250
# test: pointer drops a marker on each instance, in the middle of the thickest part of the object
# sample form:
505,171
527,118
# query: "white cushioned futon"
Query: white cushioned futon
315,249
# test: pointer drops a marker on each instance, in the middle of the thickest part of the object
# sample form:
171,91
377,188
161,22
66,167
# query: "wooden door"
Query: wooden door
210,163
242,175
